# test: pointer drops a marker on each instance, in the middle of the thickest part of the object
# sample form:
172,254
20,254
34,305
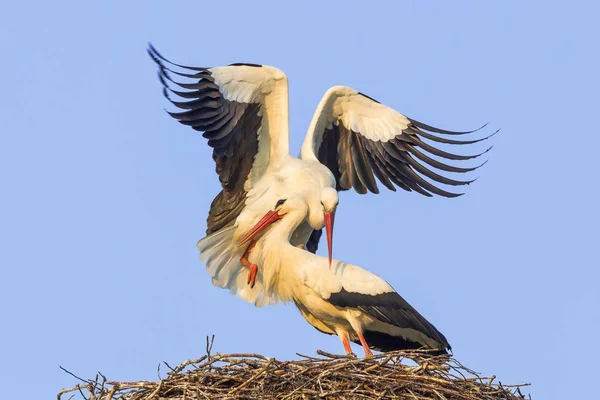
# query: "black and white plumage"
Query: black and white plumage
352,142
363,141
360,139
225,103
390,308
243,111
345,300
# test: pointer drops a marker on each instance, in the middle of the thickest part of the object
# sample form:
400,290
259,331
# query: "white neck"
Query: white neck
280,261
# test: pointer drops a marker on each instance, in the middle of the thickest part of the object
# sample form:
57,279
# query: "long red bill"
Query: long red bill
329,219
260,226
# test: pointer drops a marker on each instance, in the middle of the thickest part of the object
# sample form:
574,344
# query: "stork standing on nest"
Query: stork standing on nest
345,300
352,139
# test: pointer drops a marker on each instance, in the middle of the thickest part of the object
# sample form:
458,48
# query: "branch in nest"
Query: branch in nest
242,376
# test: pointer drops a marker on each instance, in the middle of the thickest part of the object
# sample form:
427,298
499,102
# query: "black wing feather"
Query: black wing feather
229,126
356,160
377,171
361,165
392,309
328,154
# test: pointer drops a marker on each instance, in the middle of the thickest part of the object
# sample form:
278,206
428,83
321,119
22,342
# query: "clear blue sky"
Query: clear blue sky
104,196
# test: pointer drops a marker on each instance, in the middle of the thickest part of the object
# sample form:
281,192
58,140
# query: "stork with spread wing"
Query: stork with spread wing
353,141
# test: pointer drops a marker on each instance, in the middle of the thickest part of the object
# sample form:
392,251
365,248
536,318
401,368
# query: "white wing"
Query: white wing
243,111
326,281
359,139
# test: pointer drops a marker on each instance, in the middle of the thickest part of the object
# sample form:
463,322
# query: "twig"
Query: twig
72,374
209,345
253,377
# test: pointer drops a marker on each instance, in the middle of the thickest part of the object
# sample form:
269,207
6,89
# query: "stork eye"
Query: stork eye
279,203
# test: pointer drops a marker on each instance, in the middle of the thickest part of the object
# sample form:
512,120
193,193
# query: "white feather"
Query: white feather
246,84
222,260
267,86
319,277
372,120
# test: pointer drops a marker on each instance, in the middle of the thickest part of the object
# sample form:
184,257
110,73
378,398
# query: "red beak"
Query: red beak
260,226
329,219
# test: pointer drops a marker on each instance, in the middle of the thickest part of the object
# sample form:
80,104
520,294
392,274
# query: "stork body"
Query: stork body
309,180
352,142
345,300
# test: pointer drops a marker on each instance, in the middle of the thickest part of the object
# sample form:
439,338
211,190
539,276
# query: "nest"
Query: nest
413,375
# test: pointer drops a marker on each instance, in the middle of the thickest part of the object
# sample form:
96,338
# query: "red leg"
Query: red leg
365,346
346,342
251,266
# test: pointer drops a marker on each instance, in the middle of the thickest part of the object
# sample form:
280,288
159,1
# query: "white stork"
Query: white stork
352,139
345,300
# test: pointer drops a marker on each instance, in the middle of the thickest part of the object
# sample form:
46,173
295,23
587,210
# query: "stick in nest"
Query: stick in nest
243,376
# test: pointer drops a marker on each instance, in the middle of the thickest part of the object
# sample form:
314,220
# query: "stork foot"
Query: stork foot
346,342
253,268
252,275
368,353
252,271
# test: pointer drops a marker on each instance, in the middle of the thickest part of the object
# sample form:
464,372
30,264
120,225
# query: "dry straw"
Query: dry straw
413,375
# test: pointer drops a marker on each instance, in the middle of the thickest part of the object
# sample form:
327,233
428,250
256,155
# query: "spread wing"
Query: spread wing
361,141
243,111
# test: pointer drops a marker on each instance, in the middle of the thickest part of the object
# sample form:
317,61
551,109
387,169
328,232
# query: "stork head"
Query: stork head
329,201
292,205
